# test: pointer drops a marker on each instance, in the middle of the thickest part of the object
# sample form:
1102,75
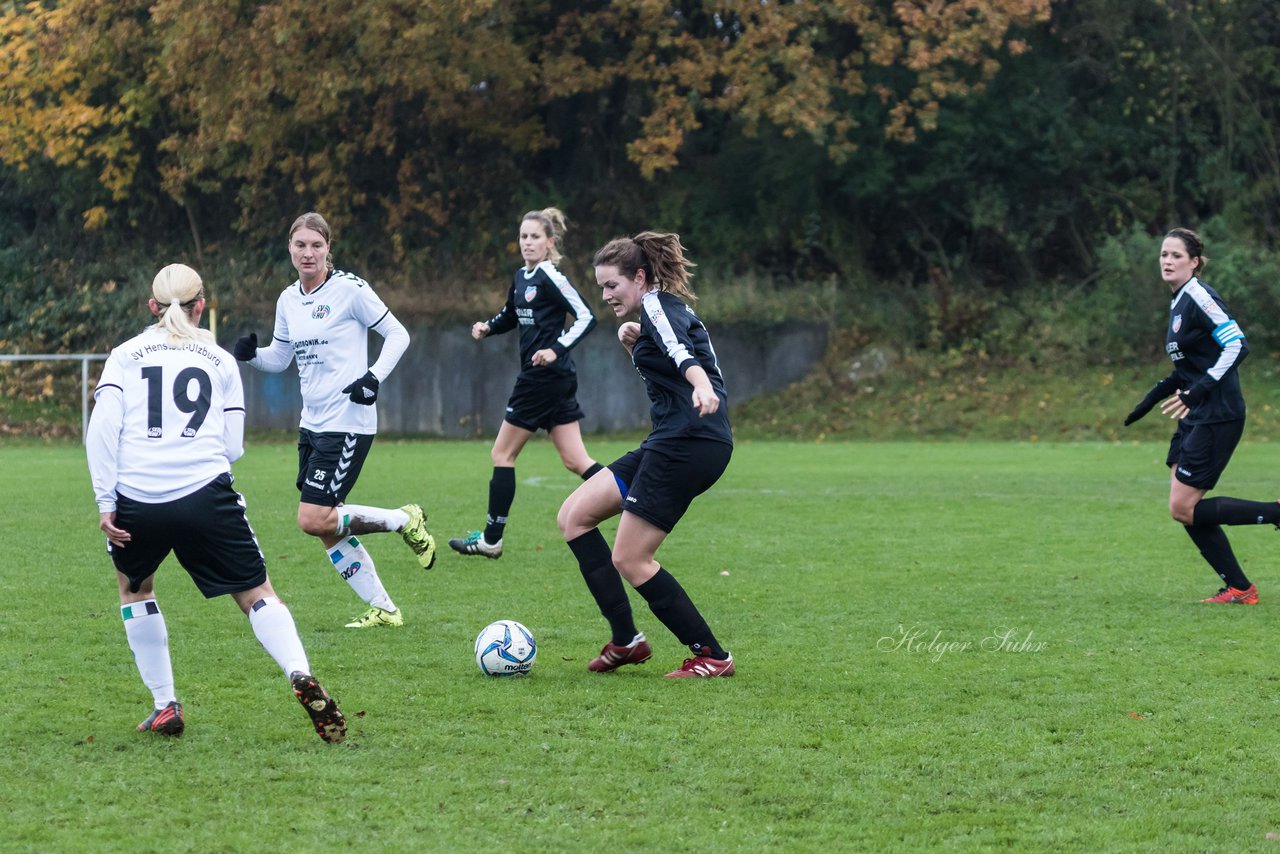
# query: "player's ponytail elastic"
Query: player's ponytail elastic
176,289
659,254
669,269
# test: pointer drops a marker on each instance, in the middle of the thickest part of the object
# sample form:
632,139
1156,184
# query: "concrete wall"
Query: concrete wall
448,385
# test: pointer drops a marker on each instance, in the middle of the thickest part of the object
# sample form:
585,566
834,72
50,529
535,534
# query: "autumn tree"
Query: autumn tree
421,116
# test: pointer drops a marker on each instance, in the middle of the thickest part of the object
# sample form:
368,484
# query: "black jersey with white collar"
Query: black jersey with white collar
537,302
671,339
1207,346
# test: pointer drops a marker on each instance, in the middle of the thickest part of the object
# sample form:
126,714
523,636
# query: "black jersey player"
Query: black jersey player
651,487
1206,345
167,425
545,394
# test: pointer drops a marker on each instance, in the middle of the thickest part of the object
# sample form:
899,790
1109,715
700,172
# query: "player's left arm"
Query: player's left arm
233,416
1229,337
671,330
395,341
704,397
584,319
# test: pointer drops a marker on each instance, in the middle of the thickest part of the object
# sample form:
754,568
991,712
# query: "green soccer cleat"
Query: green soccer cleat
375,617
474,544
417,537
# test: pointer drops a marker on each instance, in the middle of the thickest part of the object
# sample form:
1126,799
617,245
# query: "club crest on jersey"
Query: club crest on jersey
530,292
320,312
1177,322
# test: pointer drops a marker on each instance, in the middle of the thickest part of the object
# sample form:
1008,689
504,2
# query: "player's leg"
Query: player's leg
275,629
507,446
1204,453
564,428
148,636
144,623
573,453
633,554
1236,511
1209,512
332,523
580,515
323,460
220,552
669,477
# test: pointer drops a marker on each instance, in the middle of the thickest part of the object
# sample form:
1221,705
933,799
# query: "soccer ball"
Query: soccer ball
505,648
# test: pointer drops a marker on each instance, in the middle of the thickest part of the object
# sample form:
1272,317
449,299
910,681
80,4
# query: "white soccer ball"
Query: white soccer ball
505,648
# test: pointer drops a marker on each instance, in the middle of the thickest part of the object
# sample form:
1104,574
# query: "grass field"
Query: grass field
939,645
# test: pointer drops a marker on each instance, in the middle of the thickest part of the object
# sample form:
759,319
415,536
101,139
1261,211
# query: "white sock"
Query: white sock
368,520
354,564
274,627
149,639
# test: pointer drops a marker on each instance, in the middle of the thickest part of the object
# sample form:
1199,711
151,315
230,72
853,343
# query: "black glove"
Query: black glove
1158,392
246,348
1195,395
363,391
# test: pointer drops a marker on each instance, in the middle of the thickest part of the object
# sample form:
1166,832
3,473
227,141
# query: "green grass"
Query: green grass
1128,718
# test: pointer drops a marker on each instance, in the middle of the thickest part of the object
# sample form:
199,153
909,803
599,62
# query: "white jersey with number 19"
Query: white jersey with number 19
167,420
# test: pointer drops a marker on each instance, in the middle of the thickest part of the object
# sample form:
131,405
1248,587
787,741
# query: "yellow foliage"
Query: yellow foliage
285,94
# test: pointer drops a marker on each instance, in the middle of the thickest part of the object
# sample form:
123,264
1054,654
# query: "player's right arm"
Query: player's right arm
277,355
1158,392
102,445
504,320
629,334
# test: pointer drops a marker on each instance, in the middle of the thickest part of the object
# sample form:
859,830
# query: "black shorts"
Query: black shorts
1201,452
207,531
329,464
660,481
541,404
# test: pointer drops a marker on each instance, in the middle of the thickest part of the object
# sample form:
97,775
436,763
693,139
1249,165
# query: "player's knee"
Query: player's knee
1182,513
632,568
575,518
313,524
565,520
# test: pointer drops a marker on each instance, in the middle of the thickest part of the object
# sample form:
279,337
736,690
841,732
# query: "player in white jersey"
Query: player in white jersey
323,321
167,425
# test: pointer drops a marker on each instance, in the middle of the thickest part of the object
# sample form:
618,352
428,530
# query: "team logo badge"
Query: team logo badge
530,292
1177,322
320,312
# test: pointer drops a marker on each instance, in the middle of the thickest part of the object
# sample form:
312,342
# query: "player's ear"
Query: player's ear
154,306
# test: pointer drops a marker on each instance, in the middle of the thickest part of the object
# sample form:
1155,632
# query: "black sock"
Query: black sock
595,561
502,491
1216,549
595,467
1235,511
670,604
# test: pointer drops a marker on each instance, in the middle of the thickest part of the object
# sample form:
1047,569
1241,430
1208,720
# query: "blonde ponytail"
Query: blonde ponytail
176,289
